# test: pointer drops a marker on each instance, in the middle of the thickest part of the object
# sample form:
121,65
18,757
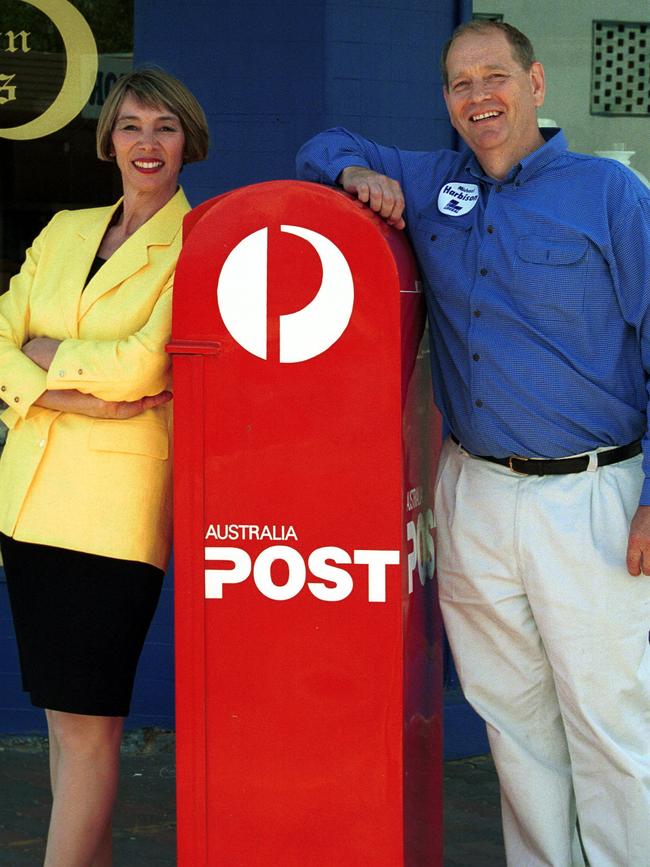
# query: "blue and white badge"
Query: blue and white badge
457,199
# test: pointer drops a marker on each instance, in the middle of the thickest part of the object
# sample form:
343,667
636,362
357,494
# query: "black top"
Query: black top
94,268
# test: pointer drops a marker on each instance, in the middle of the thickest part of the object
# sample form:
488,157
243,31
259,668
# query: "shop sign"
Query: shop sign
80,75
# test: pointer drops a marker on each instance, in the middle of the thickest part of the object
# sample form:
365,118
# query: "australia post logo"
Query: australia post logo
326,571
242,295
281,568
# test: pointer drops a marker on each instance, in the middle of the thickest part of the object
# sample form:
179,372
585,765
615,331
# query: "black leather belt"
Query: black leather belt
559,466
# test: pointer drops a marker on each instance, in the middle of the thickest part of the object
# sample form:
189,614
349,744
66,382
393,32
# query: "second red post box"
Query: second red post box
308,642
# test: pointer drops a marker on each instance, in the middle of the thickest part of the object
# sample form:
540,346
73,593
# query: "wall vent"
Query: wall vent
620,68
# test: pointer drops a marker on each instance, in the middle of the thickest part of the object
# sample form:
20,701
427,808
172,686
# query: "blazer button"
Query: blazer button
62,373
3,387
80,371
16,400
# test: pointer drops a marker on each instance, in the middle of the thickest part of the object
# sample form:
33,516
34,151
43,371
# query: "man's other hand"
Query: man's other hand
638,546
383,195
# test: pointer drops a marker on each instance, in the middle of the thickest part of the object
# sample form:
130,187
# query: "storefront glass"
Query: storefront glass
58,60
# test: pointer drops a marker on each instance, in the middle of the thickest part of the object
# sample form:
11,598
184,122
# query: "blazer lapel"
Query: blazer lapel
161,229
80,257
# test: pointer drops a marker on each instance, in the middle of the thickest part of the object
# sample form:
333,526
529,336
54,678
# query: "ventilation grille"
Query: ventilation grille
620,69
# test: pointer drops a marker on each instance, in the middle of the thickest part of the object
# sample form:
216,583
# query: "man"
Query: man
537,270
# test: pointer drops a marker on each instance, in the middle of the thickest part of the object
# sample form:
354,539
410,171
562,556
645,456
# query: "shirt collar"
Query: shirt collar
555,143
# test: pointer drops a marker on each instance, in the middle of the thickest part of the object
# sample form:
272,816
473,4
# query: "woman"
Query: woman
85,476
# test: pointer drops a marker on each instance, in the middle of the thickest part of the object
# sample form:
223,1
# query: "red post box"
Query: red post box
308,643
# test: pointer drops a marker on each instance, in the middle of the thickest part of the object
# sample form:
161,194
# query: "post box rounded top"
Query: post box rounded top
292,251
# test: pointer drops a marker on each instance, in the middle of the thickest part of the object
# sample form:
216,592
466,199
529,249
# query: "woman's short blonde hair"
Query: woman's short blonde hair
155,88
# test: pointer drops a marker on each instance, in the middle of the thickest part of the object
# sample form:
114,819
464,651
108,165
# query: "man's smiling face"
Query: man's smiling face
491,99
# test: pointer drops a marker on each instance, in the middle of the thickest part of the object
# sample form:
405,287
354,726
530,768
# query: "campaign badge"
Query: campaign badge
457,199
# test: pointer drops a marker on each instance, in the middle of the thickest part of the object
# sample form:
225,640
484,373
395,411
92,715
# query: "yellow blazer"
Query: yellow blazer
96,485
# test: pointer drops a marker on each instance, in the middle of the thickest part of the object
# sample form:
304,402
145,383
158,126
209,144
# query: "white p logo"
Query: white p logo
242,294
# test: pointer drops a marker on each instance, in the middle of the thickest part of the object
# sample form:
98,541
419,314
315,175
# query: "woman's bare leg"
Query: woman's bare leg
84,768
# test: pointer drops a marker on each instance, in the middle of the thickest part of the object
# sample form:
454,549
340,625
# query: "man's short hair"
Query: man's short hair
522,48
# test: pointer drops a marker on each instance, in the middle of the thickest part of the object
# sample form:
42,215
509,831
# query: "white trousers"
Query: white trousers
550,637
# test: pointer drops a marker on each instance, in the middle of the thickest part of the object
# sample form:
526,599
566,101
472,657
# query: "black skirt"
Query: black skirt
80,621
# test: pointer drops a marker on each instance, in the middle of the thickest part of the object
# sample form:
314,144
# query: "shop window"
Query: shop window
50,163
57,62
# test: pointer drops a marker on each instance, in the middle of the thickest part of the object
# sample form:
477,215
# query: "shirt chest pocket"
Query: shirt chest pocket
442,253
550,275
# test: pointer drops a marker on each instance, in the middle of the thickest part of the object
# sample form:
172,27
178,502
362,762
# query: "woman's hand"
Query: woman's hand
70,400
41,350
129,408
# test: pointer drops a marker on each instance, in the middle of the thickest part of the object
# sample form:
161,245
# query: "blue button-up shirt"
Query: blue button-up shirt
538,291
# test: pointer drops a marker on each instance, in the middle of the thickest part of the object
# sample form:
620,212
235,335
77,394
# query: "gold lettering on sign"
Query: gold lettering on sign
81,70
11,41
7,89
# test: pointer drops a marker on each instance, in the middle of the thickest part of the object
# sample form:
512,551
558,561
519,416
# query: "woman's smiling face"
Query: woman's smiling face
148,144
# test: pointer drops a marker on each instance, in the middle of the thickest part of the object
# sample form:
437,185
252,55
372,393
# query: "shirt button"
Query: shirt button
478,403
477,313
62,373
490,229
434,237
80,371
16,400
476,356
3,388
483,272
498,188
517,183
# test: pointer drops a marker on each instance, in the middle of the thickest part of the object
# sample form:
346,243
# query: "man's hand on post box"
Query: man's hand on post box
382,194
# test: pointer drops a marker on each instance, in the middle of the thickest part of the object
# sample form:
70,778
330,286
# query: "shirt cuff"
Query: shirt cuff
32,385
334,169
65,371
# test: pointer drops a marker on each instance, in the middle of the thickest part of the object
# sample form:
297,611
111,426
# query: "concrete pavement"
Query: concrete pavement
144,830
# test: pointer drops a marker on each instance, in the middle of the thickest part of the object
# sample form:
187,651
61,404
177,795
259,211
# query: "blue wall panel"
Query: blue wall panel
270,74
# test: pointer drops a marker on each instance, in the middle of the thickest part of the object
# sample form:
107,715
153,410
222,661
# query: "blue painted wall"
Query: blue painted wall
270,74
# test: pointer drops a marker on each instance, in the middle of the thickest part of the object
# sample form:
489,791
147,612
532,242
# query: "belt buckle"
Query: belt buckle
512,458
